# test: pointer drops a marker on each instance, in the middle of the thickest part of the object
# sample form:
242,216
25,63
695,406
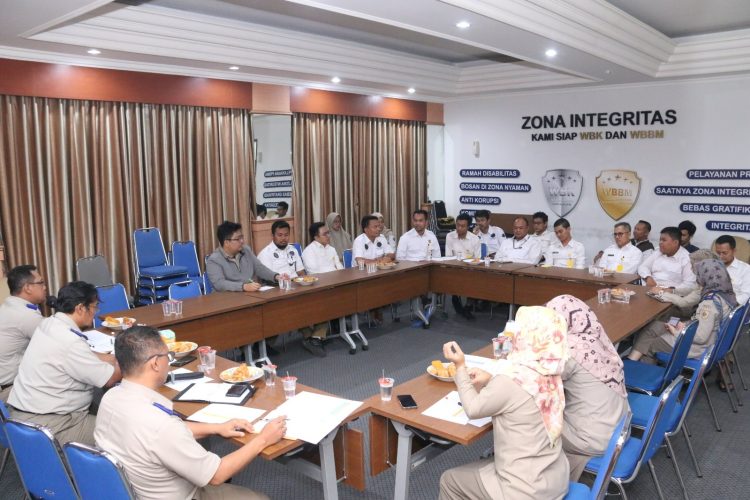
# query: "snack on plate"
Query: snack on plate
181,347
113,321
444,370
240,374
309,279
618,292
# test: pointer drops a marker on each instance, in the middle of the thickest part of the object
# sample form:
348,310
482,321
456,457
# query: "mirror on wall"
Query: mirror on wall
272,147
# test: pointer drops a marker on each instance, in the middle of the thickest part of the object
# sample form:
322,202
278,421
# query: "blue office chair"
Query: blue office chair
207,286
184,290
97,474
580,491
4,416
40,461
640,451
185,255
348,261
651,379
153,272
299,248
484,250
112,298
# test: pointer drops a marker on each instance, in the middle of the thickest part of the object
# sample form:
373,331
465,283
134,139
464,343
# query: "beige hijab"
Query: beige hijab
340,240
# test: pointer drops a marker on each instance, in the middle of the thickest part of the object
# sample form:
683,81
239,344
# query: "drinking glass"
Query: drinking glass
386,388
290,386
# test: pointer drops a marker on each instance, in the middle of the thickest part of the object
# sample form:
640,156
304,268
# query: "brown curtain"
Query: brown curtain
356,166
79,176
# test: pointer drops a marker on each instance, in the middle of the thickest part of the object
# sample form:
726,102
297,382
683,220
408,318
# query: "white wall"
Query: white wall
712,132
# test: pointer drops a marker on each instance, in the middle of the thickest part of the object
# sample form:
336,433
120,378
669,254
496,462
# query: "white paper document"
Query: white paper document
449,408
179,385
444,259
490,365
218,413
310,417
100,342
211,393
265,288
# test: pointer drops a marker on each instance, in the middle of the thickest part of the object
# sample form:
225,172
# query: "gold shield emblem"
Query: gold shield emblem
617,191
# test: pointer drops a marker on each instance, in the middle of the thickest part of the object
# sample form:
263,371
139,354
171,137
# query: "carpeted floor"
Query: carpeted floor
404,352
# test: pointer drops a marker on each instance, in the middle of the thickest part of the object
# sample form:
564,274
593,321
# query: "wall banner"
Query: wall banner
617,191
480,200
562,188
489,173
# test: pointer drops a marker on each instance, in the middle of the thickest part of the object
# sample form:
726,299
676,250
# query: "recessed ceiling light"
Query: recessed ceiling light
94,52
234,68
463,24
335,79
411,90
607,71
550,53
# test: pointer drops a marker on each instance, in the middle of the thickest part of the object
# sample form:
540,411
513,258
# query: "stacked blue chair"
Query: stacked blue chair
40,461
97,474
185,255
734,330
651,379
580,491
112,298
153,272
640,451
184,290
207,286
4,416
733,352
298,247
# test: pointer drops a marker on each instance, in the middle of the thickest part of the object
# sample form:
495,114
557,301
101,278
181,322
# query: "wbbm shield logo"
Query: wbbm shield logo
562,188
617,191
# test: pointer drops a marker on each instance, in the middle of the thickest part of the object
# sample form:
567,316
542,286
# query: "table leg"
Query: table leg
328,467
403,461
262,353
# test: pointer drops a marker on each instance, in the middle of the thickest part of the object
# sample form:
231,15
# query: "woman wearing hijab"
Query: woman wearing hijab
340,239
685,304
525,400
717,300
594,383
387,233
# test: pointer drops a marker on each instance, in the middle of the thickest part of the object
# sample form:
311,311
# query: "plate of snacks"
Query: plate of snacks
384,265
118,323
242,373
305,280
621,292
182,349
474,262
442,371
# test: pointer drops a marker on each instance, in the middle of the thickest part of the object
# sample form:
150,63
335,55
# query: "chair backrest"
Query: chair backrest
733,324
298,247
111,298
149,249
348,261
611,454
687,399
184,254
680,352
94,270
96,473
39,461
484,250
653,435
207,286
4,416
184,290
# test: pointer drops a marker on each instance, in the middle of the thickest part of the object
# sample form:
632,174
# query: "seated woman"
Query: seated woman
525,400
717,300
594,383
684,305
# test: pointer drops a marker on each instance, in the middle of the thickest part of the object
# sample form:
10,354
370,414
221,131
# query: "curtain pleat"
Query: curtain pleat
79,176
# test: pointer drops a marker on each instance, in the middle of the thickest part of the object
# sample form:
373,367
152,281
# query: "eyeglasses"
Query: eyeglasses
326,233
40,282
618,234
170,357
239,238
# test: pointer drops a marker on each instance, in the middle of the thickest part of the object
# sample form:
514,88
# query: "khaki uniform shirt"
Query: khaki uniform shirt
161,457
59,371
18,320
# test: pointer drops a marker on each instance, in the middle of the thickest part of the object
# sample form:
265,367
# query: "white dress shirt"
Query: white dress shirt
415,247
527,250
320,259
466,247
281,261
492,238
621,260
571,255
365,248
545,239
669,272
740,273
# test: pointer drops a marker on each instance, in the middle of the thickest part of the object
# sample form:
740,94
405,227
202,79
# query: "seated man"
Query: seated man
281,209
687,231
419,243
668,269
565,252
59,371
370,246
19,317
463,245
622,257
640,237
544,236
261,212
522,247
387,232
233,266
319,256
738,271
157,449
488,234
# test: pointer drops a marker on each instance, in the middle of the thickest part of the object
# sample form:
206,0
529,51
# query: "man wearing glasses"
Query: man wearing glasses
156,447
623,256
233,266
19,317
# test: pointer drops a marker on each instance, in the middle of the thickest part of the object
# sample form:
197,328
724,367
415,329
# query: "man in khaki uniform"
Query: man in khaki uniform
158,450
19,317
59,372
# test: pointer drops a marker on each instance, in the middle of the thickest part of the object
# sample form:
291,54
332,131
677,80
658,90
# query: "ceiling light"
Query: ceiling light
550,53
234,68
463,24
411,90
94,52
335,79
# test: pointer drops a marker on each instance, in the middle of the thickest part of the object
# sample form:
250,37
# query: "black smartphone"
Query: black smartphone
183,361
237,390
407,402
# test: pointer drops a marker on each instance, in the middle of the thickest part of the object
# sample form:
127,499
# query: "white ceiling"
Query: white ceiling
385,46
